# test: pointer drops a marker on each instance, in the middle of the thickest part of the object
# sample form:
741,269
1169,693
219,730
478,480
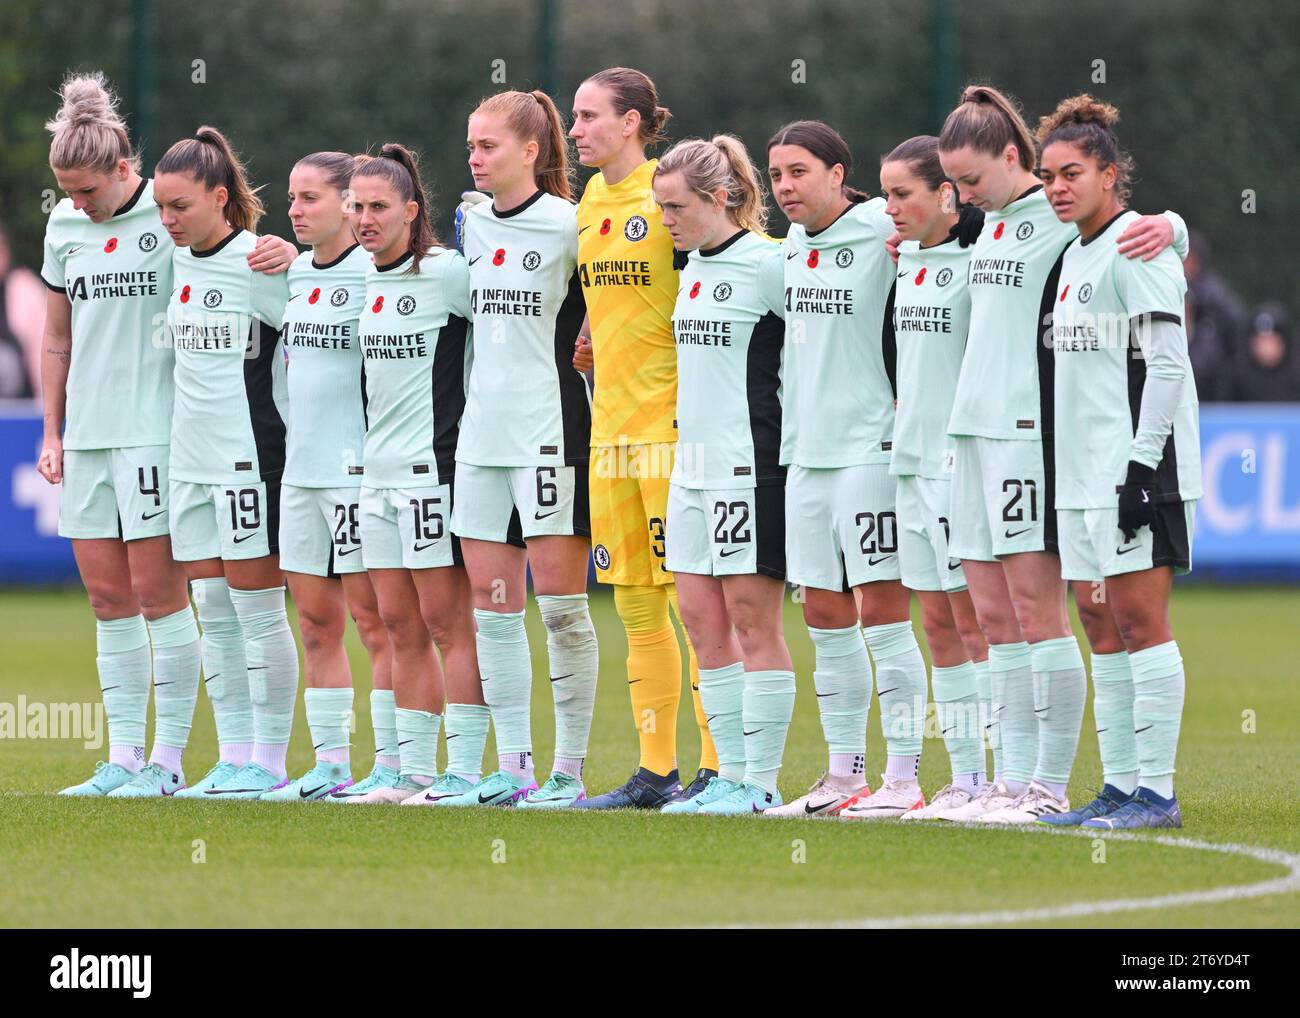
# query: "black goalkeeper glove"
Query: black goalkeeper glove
969,225
1137,499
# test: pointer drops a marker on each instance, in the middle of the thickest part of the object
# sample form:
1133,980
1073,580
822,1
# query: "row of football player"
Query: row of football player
841,490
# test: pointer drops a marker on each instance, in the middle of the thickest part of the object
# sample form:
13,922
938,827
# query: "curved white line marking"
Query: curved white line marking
1280,885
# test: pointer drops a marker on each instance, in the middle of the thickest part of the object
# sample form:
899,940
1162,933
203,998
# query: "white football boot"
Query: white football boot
947,799
990,798
400,792
1036,801
894,798
825,799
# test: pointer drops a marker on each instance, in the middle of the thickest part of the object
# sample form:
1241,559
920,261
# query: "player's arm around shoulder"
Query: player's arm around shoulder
268,294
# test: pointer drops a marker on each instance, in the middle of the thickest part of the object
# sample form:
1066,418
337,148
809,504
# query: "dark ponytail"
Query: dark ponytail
209,158
826,144
400,167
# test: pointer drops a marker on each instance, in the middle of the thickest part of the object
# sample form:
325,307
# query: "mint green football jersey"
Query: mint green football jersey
729,329
327,390
931,318
1005,387
838,399
415,338
1100,371
117,276
527,405
228,423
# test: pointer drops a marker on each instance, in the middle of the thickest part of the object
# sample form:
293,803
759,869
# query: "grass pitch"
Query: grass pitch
176,863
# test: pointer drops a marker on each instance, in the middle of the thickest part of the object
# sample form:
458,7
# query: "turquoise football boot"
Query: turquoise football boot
222,771
154,781
560,792
500,788
744,799
107,777
320,781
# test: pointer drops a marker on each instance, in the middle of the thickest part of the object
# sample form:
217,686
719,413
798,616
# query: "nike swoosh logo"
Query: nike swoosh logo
406,743
421,547
873,561
904,275
557,678
313,791
952,729
348,552
630,681
791,255
811,809
239,540
482,799
474,259
1008,534
152,516
105,689
884,691
1125,551
209,678
709,720
1043,711
587,227
729,551
954,565
828,694
74,249
754,732
1100,730
455,736
169,682
1139,731
542,516
318,745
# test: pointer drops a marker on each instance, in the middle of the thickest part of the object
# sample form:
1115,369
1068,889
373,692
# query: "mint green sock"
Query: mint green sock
722,695
417,743
177,660
842,679
328,713
900,685
383,719
984,684
1012,689
1158,690
225,669
768,704
466,727
122,660
506,666
575,661
957,707
1060,688
272,659
1112,706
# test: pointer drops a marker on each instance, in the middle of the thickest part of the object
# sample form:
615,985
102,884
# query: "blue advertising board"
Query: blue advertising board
1249,518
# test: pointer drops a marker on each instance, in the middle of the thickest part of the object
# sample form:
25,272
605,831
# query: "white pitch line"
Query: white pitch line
1280,885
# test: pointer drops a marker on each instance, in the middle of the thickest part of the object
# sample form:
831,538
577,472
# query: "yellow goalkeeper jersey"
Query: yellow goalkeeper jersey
629,274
